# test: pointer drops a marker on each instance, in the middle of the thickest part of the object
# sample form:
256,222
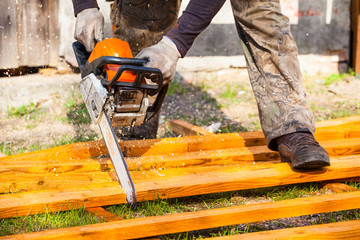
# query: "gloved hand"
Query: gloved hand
89,27
164,56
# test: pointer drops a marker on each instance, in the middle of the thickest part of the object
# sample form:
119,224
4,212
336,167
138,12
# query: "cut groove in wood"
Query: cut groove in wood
183,222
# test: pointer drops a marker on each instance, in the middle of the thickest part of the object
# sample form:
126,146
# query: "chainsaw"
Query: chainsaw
116,91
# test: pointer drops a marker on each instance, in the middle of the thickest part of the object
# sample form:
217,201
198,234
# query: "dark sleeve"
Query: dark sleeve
196,17
80,5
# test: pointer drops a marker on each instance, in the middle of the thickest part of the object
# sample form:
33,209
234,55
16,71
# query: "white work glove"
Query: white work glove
164,56
89,27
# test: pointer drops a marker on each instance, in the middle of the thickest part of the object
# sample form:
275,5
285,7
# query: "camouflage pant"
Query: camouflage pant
142,23
269,47
273,67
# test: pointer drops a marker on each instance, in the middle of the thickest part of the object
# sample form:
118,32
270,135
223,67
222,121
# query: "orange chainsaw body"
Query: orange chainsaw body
116,48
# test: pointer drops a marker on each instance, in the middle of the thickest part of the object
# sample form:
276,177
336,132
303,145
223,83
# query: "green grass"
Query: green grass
41,222
5,148
29,111
187,204
231,91
211,201
22,110
77,112
9,149
354,184
176,87
338,77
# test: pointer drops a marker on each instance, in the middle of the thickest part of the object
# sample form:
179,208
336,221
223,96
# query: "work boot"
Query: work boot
302,150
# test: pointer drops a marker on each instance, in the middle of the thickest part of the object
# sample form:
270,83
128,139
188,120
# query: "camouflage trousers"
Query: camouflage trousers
271,54
143,23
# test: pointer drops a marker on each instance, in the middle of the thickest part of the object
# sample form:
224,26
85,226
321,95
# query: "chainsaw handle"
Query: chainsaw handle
99,63
155,108
135,65
137,83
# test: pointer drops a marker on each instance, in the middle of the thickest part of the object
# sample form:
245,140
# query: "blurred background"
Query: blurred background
40,32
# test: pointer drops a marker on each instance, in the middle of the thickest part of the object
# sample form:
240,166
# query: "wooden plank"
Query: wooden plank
152,147
339,122
44,161
182,222
174,183
232,156
20,175
102,214
186,129
341,230
70,153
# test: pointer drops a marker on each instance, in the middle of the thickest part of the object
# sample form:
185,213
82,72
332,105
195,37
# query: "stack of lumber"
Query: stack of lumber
80,174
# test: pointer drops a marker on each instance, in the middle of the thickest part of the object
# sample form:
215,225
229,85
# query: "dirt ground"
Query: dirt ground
220,101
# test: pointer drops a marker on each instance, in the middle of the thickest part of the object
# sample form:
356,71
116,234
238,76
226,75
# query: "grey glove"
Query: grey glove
89,27
164,56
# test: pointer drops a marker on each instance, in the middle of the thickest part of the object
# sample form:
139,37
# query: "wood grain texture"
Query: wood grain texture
172,183
153,147
29,174
341,230
339,122
182,222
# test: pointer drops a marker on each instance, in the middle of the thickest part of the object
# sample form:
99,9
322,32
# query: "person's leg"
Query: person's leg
274,72
143,23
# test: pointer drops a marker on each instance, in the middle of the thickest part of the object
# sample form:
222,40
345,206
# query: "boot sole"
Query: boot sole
310,164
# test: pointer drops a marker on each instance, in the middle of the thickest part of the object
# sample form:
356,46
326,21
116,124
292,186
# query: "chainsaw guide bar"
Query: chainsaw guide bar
115,92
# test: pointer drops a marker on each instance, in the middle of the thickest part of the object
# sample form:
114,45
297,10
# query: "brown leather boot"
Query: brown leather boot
302,150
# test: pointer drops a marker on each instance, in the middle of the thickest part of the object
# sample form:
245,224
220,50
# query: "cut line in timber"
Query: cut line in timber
183,222
174,183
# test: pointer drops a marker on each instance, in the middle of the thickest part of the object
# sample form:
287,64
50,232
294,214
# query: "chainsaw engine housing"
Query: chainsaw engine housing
115,82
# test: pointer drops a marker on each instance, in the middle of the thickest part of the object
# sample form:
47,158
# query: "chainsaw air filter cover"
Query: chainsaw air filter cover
116,48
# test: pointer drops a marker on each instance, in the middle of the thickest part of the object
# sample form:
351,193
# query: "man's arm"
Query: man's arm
165,54
195,19
80,5
89,26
